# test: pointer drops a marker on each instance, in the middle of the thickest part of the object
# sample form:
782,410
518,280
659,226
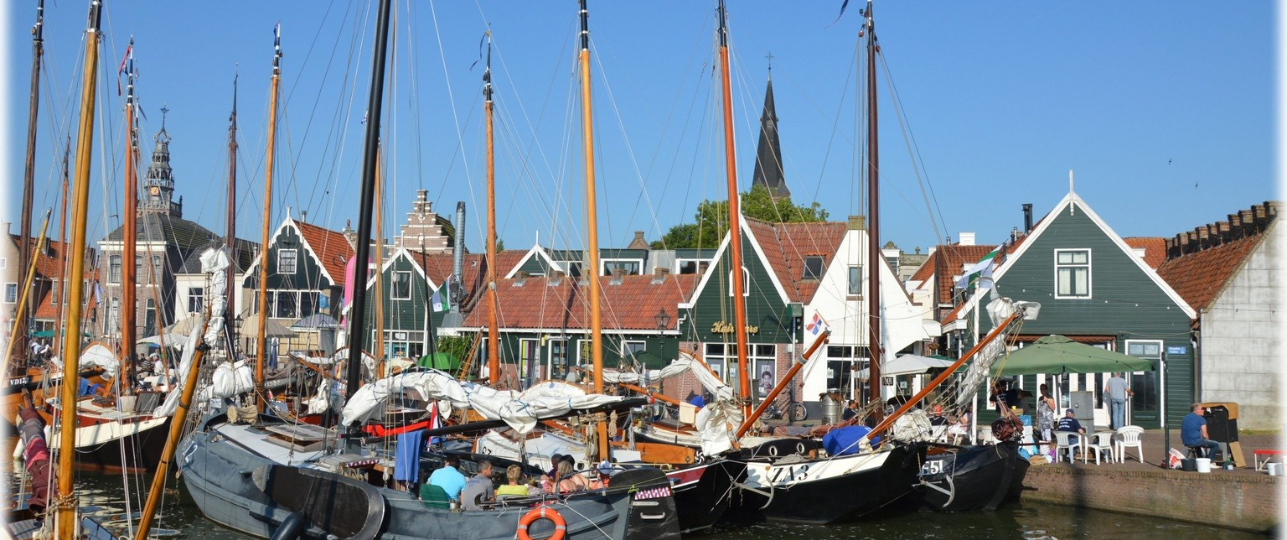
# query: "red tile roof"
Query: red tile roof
1154,249
949,261
632,304
1198,277
926,270
437,267
332,249
786,245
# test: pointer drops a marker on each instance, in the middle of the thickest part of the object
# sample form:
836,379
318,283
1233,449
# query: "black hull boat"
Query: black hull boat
703,492
964,478
828,490
241,480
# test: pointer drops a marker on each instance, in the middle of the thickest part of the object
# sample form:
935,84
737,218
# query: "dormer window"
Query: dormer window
813,265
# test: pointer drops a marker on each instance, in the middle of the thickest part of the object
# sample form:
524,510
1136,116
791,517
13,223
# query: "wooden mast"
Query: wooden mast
592,224
157,489
230,237
261,344
129,241
873,222
25,252
782,384
62,255
370,159
493,338
65,524
734,217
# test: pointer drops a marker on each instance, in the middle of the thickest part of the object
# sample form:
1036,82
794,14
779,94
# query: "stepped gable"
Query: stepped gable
550,302
332,249
1200,262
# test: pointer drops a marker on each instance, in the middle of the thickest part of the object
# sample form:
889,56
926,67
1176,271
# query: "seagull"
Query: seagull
1168,161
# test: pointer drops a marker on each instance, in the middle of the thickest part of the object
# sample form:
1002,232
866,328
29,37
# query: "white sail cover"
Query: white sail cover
229,379
717,422
101,356
519,411
214,262
684,364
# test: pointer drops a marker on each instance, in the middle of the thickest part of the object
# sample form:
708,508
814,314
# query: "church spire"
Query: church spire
768,154
159,183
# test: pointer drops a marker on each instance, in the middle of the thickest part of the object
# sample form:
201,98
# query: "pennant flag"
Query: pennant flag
981,272
277,35
442,296
817,325
129,53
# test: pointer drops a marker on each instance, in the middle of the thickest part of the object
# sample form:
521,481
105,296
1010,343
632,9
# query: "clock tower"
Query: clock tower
159,183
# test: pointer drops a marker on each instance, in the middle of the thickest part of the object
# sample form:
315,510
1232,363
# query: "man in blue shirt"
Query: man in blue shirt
1193,431
449,478
1069,423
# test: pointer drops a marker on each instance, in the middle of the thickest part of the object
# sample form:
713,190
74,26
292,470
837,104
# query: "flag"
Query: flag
442,296
277,35
129,52
817,325
981,271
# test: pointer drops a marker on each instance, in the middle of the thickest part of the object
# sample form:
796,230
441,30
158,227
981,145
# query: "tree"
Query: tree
712,219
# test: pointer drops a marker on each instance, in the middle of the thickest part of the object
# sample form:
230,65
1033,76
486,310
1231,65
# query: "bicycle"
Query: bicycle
794,411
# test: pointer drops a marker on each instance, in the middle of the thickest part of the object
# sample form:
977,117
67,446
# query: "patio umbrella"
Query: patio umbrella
1058,354
170,339
315,321
439,360
909,364
185,326
272,329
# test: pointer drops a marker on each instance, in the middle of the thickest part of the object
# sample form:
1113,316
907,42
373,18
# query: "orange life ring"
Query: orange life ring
544,512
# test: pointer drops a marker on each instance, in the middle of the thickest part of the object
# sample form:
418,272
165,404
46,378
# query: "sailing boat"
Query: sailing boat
268,480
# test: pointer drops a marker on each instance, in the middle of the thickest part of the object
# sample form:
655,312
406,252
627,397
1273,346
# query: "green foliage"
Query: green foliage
457,346
712,219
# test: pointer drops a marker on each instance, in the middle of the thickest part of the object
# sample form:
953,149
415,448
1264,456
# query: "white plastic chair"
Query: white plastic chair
1062,443
1100,442
1129,437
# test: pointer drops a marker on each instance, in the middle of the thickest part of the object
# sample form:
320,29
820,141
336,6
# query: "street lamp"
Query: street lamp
662,318
236,325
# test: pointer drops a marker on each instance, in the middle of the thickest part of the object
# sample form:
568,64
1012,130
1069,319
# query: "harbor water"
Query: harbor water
102,494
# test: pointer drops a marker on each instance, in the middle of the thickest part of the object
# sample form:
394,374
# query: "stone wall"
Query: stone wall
1241,344
1236,501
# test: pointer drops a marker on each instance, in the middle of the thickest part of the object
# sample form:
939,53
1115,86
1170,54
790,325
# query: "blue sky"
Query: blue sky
1165,110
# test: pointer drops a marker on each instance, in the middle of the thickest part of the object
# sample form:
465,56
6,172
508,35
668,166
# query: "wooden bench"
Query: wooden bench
1268,456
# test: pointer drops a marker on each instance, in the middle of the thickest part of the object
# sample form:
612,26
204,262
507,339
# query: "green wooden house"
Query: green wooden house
1097,289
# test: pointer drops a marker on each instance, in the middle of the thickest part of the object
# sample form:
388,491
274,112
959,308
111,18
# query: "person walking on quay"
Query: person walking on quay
1193,431
1118,390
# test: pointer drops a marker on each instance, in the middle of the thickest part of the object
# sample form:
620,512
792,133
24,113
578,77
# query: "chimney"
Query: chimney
1027,218
639,242
556,278
618,275
1014,235
857,223
659,274
458,253
519,278
966,239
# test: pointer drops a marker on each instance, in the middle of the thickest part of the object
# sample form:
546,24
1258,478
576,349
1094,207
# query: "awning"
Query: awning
908,364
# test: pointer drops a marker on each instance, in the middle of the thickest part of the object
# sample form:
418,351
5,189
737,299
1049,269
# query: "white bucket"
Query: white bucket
1204,465
1275,469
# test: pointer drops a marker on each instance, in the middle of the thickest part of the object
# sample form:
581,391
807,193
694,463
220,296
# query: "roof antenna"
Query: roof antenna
1071,205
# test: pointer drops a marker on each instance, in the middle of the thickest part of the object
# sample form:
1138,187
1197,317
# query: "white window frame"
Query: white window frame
549,354
679,264
7,286
200,295
804,267
849,283
393,289
277,304
579,347
746,282
1161,346
625,342
526,346
120,264
603,265
1090,273
294,263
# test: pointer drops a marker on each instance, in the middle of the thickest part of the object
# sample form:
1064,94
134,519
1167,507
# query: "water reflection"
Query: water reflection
180,519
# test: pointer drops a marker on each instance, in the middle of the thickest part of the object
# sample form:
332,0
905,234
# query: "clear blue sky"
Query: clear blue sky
1165,110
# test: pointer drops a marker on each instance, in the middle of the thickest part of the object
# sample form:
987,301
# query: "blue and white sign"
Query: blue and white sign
1181,349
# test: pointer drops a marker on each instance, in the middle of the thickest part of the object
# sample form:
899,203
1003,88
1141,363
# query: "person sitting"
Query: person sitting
1070,424
959,431
513,474
1193,432
568,480
554,465
937,419
696,400
851,410
479,489
449,478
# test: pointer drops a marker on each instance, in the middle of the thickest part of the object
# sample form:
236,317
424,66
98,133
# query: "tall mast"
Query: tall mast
493,338
873,221
592,224
129,243
261,344
377,347
370,159
24,246
230,238
734,217
65,524
62,255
